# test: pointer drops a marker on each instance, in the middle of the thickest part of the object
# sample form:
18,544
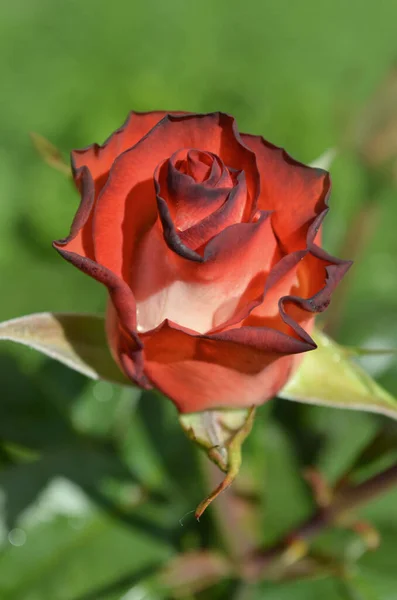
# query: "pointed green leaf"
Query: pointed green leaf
64,529
76,340
328,377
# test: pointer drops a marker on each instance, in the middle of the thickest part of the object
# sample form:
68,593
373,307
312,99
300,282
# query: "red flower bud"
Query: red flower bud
206,241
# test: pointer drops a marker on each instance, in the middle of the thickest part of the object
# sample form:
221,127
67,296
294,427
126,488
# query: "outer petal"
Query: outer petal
79,240
201,372
123,302
299,285
297,193
126,205
99,158
90,168
196,386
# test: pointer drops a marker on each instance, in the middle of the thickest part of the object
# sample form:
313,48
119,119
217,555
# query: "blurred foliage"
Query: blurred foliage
97,482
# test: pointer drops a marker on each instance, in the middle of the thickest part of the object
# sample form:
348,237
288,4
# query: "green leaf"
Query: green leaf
327,377
29,417
285,498
69,549
327,588
157,421
76,340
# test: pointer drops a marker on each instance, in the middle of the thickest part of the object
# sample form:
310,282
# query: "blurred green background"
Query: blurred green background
94,480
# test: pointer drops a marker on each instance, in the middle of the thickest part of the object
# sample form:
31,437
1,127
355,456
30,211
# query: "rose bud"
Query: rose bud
207,241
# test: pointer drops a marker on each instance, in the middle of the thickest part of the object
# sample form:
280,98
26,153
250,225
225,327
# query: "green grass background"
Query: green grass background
298,73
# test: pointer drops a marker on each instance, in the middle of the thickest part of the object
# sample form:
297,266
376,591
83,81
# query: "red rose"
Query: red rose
204,238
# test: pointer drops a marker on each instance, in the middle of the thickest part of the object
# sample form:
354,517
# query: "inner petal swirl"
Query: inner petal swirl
197,196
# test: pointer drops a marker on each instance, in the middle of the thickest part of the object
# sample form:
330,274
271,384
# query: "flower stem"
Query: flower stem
256,565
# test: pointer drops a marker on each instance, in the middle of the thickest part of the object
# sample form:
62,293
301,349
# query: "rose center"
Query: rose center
202,167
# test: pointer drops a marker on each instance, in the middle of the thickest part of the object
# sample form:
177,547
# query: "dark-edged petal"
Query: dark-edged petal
295,192
191,200
124,304
192,214
299,285
79,240
199,373
230,213
90,168
99,158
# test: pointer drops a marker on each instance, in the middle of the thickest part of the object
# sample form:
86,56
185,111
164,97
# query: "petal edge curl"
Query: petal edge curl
124,303
79,239
287,182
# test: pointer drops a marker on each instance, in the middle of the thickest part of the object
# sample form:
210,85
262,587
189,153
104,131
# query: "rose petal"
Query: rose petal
230,213
200,372
214,209
123,302
189,201
126,350
297,193
126,206
196,386
201,296
299,285
79,240
90,168
99,158
200,165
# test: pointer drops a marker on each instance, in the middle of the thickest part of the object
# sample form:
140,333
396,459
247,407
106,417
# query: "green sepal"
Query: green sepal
220,433
328,376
